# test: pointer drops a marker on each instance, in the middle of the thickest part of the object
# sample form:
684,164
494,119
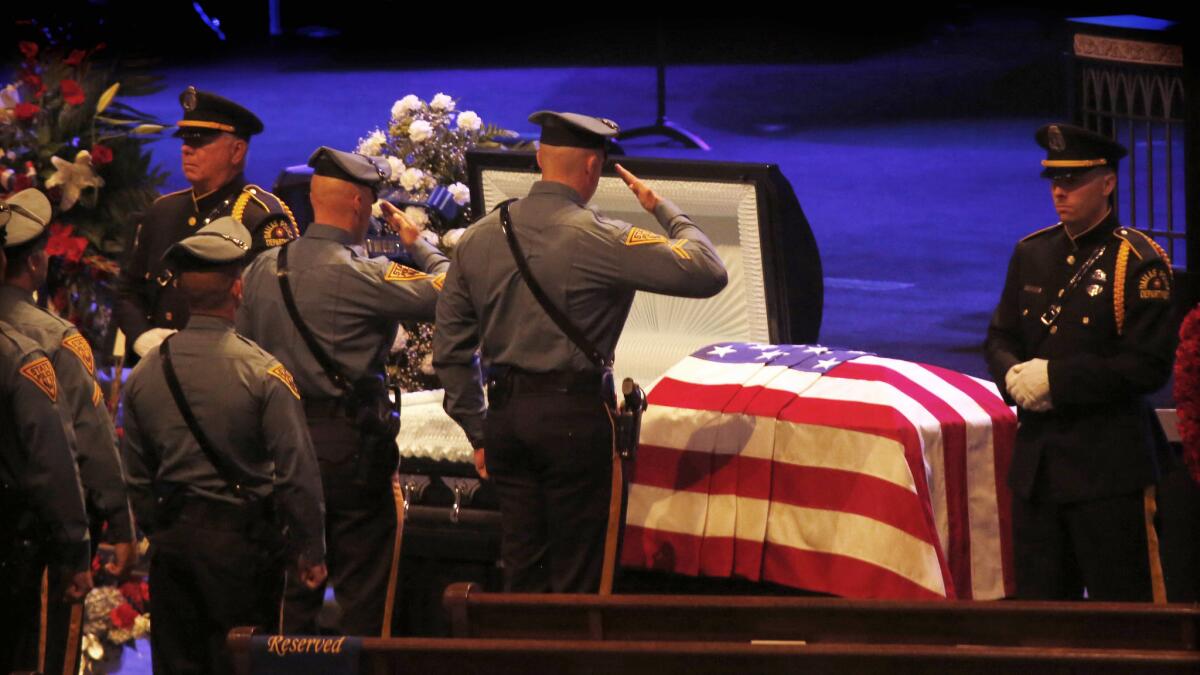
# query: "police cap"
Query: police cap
24,217
221,243
1072,150
207,114
349,166
575,130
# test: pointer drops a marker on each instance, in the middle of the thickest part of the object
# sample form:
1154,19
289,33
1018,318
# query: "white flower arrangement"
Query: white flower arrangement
460,193
426,145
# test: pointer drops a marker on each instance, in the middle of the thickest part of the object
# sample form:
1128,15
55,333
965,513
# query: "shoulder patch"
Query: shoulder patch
97,395
439,282
41,373
279,231
638,237
79,347
1042,231
1154,284
286,378
398,272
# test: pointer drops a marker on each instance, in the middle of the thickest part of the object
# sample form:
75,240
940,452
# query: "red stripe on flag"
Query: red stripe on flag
698,472
677,394
1004,435
768,402
660,550
747,559
849,492
954,462
838,574
882,421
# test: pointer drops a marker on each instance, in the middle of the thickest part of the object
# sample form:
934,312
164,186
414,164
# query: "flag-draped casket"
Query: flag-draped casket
829,470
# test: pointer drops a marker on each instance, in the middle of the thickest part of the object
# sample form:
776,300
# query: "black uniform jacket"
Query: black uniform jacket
148,297
1111,345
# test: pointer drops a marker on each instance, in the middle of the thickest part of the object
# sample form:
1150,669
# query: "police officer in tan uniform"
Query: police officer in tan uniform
216,136
44,522
220,465
81,403
546,438
351,307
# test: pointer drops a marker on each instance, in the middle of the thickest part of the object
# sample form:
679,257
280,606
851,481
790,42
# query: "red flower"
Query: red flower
61,243
26,111
95,563
77,56
101,155
34,82
123,615
29,50
72,92
135,592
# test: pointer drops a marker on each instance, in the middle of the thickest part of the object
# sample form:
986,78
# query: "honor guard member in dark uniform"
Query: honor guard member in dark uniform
1082,334
81,403
216,137
348,308
220,464
547,434
43,521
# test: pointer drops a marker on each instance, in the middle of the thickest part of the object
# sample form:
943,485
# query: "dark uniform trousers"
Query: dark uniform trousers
1099,545
20,597
216,567
549,454
360,530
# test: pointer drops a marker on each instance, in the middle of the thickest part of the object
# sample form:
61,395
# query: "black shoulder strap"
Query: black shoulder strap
327,365
224,470
564,324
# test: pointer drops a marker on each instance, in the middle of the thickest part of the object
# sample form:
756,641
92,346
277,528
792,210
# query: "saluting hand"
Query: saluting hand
647,197
398,223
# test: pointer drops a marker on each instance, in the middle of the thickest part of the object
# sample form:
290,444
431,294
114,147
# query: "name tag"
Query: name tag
1033,289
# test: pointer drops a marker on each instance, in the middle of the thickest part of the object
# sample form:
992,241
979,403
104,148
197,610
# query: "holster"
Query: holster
23,542
629,419
378,423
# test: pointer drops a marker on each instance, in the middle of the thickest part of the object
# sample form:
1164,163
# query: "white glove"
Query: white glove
1030,385
151,339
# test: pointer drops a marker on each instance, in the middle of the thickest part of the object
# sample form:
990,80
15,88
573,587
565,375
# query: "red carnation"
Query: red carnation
61,243
135,592
77,56
101,155
123,615
26,111
72,92
34,82
29,50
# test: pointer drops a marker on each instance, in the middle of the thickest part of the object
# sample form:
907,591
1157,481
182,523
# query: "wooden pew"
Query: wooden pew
663,618
499,657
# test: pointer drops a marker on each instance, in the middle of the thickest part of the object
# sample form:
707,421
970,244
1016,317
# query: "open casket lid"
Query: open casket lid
750,213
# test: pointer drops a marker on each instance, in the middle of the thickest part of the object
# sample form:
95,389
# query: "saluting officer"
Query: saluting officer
349,308
1082,333
214,429
547,433
216,137
43,521
82,403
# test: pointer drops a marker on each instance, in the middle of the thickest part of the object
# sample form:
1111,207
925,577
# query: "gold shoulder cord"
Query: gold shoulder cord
239,207
1119,286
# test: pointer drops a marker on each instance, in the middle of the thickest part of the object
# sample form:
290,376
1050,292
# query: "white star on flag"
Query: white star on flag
761,346
771,354
817,350
722,351
826,364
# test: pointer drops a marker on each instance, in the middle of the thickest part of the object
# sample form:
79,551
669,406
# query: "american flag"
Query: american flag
824,469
